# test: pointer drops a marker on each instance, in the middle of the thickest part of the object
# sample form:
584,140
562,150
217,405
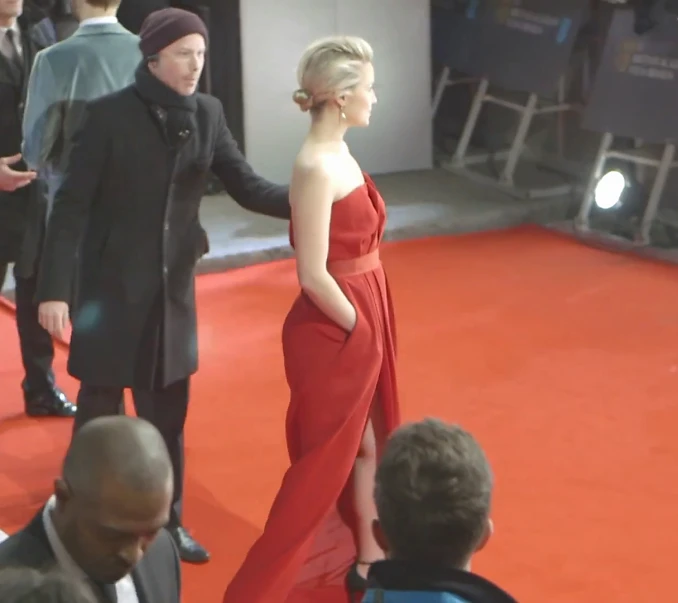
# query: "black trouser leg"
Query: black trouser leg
3,274
166,408
37,347
96,402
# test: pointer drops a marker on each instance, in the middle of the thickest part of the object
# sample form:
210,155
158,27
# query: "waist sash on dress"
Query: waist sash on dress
360,265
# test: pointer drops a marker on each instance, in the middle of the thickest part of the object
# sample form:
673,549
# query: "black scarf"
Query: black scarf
176,111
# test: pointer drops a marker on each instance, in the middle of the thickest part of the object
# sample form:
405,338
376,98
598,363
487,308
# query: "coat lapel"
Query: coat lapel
33,39
43,33
36,531
141,585
10,71
17,72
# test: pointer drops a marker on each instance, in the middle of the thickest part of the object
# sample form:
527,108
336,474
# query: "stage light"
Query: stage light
619,200
609,190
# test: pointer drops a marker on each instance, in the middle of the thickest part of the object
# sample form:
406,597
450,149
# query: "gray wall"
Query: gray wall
274,34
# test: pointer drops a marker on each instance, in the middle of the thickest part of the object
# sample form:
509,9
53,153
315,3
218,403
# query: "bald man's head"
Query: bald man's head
114,495
123,450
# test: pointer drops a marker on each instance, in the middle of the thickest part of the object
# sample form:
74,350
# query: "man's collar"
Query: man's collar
62,556
99,21
14,27
395,575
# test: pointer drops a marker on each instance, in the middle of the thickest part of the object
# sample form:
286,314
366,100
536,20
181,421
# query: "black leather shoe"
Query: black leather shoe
356,585
190,550
53,403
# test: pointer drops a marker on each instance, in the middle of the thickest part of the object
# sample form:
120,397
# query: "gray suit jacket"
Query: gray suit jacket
95,61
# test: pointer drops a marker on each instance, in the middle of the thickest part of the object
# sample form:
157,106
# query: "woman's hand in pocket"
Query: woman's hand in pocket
354,321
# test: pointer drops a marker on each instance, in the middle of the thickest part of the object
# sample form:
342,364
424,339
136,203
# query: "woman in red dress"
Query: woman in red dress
339,347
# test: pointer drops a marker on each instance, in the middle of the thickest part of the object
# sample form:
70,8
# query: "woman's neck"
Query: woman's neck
328,126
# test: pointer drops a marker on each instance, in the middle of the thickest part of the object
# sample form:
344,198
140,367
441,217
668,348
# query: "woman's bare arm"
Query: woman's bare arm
311,198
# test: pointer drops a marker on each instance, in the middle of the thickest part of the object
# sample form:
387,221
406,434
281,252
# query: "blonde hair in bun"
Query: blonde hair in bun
328,68
303,99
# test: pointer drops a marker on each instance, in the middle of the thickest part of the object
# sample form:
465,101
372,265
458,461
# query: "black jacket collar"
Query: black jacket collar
410,576
155,92
38,553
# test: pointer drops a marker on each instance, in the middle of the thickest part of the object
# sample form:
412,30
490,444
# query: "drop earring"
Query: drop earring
343,115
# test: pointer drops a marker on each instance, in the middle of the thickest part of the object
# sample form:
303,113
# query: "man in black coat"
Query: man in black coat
105,521
129,205
20,41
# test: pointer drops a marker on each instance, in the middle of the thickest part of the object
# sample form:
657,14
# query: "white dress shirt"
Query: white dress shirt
98,21
17,40
124,587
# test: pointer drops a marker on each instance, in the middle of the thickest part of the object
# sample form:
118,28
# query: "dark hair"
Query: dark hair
25,585
432,491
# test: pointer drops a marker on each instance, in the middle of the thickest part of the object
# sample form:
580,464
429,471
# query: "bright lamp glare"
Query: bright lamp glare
609,189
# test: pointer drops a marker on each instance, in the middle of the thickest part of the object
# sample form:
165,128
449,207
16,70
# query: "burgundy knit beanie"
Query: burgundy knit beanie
164,27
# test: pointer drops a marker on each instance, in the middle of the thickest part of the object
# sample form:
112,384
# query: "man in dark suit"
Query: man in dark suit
18,47
105,521
99,58
129,203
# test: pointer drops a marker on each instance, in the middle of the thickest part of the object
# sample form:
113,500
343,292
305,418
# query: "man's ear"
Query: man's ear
487,534
62,492
379,536
152,63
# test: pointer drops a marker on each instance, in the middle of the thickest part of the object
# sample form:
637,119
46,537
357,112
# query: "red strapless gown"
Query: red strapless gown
307,544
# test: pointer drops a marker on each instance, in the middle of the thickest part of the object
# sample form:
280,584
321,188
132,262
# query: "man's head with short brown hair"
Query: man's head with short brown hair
83,9
104,4
432,491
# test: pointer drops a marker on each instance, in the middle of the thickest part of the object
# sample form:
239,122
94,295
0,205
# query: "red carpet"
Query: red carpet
562,359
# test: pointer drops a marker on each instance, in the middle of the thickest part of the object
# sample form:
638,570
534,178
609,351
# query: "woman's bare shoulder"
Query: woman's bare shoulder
316,161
